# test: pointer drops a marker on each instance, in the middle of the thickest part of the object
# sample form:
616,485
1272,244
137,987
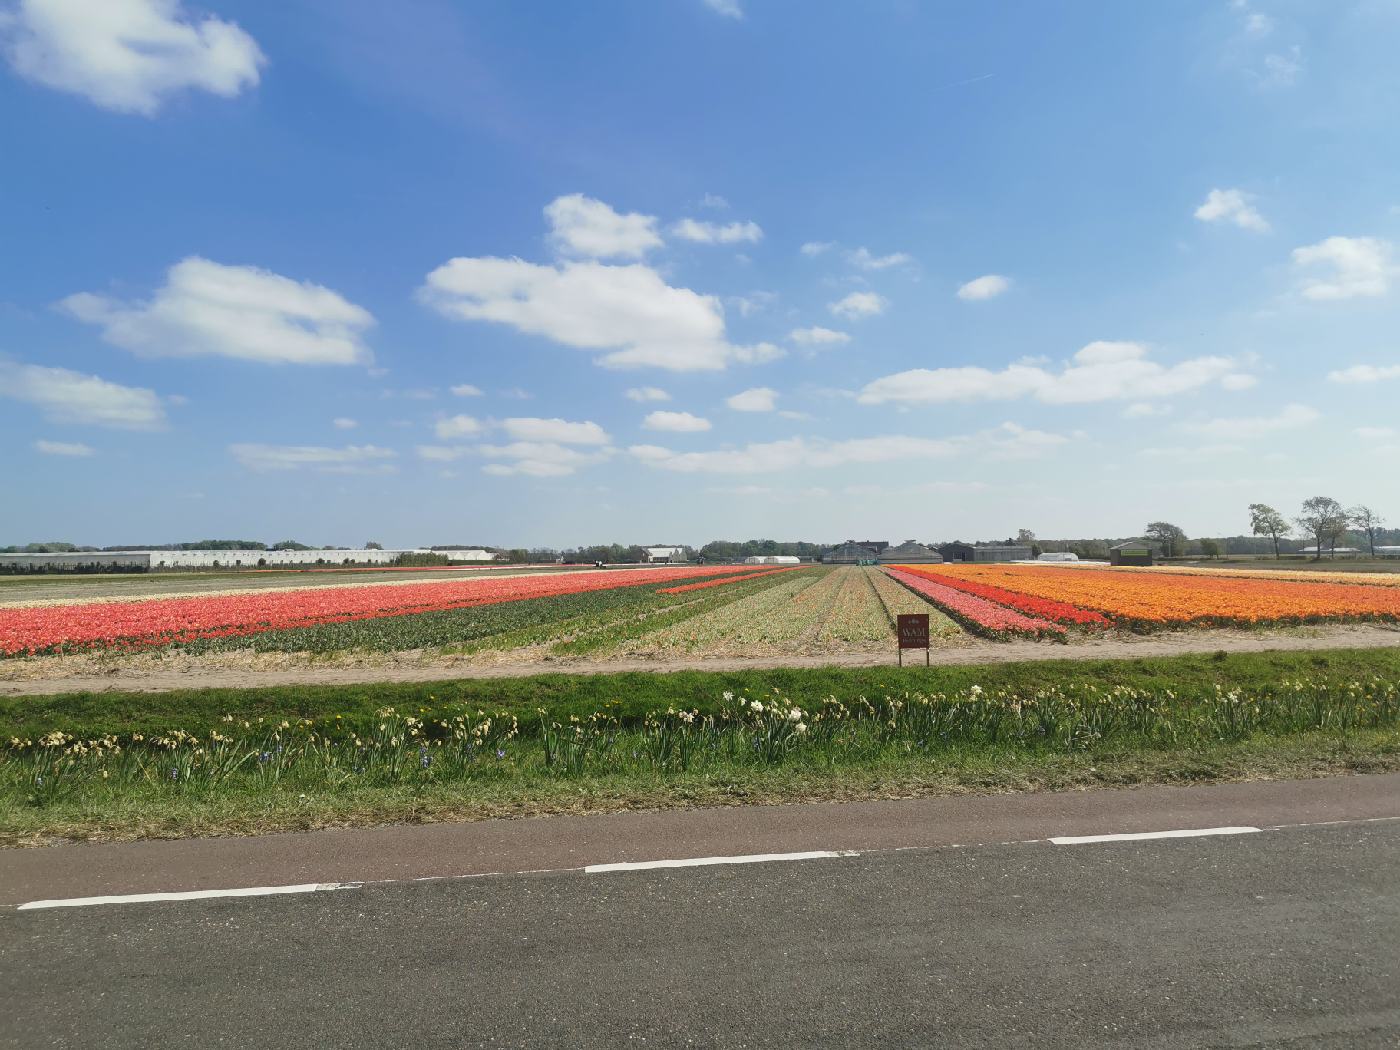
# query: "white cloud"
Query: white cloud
442,453
817,247
680,422
989,286
1101,371
344,423
65,396
1145,410
1361,266
589,228
727,8
458,426
1194,453
865,260
1282,68
208,309
1364,374
352,459
627,311
465,390
643,394
818,336
714,200
62,448
858,305
127,55
1008,440
788,413
715,233
1376,433
1233,206
750,304
1239,381
539,459
1244,429
555,431
757,399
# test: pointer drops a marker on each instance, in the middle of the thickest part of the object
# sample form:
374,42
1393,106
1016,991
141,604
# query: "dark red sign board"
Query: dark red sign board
913,630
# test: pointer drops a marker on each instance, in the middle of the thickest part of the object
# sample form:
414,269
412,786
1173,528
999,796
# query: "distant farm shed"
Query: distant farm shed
773,559
910,553
984,554
1058,556
665,554
1134,552
850,553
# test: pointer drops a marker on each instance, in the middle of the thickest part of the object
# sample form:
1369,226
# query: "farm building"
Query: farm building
77,561
665,554
1388,552
910,553
1333,552
144,561
850,553
983,553
1058,556
1134,552
773,559
878,546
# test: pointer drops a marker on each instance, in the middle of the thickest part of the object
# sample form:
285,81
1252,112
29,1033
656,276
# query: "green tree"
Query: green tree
1368,522
1265,521
1171,537
1323,519
1210,548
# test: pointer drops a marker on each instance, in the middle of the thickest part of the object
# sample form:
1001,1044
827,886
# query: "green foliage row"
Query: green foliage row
631,695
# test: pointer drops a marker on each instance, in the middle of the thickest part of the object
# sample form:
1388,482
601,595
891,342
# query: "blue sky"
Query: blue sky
678,270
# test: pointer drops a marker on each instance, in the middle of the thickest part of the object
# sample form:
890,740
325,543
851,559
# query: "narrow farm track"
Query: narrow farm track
177,673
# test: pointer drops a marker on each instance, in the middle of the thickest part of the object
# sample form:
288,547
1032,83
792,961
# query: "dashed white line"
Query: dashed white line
188,895
1184,833
697,862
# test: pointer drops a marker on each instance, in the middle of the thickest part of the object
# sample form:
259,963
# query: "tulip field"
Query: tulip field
689,612
1046,600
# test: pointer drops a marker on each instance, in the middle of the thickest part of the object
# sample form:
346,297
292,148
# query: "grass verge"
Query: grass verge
151,812
240,762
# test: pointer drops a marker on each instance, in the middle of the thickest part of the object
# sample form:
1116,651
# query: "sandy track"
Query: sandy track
191,674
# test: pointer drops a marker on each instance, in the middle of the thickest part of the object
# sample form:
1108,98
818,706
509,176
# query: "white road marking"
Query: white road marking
696,862
189,895
1185,833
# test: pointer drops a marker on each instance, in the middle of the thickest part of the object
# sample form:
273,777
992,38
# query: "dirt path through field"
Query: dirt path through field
190,674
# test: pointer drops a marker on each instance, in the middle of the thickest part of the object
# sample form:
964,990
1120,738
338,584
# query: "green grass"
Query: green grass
199,710
664,740
115,813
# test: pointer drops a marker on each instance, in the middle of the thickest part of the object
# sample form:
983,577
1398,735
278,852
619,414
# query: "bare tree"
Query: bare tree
1171,537
1265,521
1368,521
1323,519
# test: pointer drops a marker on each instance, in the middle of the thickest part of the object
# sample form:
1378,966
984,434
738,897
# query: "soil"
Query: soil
162,672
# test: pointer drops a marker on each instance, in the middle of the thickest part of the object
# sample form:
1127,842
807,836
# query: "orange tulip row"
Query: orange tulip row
1143,598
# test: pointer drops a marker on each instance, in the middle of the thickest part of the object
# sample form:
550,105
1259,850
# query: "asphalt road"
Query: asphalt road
1284,937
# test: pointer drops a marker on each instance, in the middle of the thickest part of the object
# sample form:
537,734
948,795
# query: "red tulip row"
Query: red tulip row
975,613
141,624
1043,608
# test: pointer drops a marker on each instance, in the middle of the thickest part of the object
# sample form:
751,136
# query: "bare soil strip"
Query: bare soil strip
158,674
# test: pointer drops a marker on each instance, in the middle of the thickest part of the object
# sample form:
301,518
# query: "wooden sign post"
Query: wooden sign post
912,630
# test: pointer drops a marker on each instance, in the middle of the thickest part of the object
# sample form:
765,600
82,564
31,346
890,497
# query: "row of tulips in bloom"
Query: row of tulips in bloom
685,588
143,624
976,613
1146,600
456,745
1037,608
